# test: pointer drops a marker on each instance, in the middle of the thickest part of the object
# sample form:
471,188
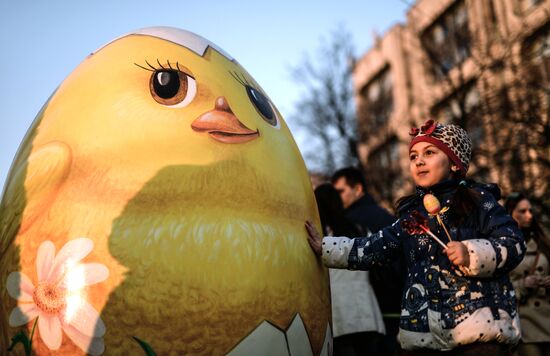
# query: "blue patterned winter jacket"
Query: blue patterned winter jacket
443,307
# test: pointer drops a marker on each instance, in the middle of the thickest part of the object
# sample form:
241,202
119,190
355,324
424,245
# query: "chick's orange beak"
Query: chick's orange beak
222,125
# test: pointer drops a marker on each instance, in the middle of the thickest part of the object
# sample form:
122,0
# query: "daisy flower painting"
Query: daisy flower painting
58,297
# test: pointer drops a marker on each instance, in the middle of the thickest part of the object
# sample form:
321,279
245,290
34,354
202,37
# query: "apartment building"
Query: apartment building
482,64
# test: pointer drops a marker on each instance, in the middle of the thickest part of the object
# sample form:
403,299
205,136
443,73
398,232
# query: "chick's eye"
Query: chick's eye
172,88
262,104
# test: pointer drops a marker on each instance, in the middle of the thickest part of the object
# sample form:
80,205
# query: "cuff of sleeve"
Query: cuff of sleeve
482,258
336,251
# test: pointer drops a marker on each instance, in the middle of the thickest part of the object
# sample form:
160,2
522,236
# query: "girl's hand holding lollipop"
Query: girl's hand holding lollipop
458,254
456,251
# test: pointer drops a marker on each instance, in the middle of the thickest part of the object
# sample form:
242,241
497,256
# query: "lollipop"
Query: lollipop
417,224
433,207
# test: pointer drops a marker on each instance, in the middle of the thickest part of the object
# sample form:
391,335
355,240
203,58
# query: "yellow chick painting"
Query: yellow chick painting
157,205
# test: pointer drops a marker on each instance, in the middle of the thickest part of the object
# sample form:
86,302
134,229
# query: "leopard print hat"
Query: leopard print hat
451,139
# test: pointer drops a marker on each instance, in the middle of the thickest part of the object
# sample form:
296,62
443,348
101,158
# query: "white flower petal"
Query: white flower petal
49,328
84,275
93,346
22,314
44,259
85,319
69,255
20,287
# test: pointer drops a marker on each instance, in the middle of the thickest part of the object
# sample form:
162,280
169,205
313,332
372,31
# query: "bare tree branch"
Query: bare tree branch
325,112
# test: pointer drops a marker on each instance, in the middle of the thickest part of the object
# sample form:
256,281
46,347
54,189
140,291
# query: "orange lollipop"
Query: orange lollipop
433,207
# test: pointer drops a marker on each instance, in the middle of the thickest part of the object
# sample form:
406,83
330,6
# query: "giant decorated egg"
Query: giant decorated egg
157,205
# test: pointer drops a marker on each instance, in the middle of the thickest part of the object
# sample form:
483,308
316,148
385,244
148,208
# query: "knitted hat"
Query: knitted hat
451,139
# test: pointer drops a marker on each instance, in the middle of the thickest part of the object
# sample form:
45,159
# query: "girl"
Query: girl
531,279
457,297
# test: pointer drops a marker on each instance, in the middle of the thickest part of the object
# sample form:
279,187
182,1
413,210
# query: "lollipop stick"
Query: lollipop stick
426,230
440,221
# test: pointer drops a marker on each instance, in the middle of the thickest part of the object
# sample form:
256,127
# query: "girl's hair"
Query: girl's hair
332,213
465,202
535,229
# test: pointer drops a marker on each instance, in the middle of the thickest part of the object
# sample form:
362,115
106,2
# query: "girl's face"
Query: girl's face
428,164
523,213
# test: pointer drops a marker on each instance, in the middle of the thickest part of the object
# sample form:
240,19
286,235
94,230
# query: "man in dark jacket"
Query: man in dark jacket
386,281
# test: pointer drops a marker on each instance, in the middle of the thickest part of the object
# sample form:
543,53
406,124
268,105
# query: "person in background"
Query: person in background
317,179
357,323
359,204
531,280
387,281
459,250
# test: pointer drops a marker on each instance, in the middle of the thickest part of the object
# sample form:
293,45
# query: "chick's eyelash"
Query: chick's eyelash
161,67
244,81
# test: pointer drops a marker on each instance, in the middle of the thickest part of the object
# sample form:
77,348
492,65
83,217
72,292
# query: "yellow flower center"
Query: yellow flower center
49,298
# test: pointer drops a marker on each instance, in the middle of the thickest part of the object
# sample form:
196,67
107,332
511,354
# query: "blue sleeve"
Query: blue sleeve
500,246
362,253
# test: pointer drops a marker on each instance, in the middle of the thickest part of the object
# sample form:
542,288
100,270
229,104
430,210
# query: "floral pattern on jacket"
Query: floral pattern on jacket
443,307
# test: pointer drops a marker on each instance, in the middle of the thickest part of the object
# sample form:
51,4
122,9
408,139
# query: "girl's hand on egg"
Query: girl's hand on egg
313,238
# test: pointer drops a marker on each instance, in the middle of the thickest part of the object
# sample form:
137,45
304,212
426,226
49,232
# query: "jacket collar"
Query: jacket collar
440,190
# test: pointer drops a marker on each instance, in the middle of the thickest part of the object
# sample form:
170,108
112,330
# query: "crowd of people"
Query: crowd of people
455,273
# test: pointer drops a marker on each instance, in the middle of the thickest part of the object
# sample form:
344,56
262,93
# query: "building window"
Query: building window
492,19
447,41
377,100
463,109
458,105
538,56
525,6
385,175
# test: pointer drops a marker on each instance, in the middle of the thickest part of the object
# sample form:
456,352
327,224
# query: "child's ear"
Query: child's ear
455,168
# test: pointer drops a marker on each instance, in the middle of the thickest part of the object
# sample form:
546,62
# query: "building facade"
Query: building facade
484,65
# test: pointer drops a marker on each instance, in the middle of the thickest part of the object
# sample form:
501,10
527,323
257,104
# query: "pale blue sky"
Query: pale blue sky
42,41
